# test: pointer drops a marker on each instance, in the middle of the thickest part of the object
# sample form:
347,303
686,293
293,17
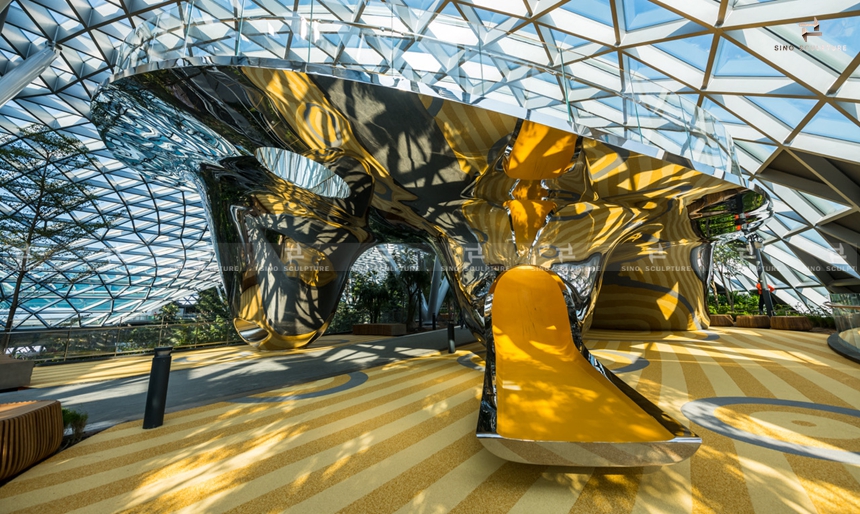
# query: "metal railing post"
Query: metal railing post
156,395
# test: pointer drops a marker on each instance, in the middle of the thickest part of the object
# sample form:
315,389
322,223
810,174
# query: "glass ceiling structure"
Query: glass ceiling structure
786,91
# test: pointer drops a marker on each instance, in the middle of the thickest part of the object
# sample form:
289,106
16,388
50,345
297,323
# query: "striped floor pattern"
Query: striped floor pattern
403,441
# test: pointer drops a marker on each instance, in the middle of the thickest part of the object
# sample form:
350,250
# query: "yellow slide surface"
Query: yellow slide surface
546,390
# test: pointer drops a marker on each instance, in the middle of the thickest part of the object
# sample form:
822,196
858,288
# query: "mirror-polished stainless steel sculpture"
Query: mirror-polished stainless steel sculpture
541,230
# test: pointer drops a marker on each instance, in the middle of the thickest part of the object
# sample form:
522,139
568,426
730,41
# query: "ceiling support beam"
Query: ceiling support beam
832,176
25,73
841,233
806,185
4,10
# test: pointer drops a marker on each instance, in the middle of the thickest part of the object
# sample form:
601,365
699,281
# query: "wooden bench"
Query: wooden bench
721,320
379,329
753,321
791,323
29,433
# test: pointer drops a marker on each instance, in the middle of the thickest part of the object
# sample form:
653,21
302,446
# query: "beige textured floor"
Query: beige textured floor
404,442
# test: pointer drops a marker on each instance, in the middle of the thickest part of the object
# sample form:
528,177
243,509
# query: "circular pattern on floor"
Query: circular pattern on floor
353,379
636,362
799,428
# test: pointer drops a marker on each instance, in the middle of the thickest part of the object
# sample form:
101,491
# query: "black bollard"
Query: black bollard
156,396
434,321
452,347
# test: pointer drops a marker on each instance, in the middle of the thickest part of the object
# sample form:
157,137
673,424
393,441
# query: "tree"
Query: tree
413,279
371,295
211,306
168,313
728,262
43,215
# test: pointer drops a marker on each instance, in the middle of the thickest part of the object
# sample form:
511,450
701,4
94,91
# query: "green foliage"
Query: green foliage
821,319
75,420
744,303
727,257
344,318
169,313
414,278
368,298
371,298
728,263
371,295
747,304
212,306
46,217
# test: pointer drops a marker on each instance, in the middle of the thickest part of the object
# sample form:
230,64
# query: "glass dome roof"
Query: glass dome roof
790,102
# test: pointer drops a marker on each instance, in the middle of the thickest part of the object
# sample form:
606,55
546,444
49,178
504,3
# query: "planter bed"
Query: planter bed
753,321
379,329
791,323
721,320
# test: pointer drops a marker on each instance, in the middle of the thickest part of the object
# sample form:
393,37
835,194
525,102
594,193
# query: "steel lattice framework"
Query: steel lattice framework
787,92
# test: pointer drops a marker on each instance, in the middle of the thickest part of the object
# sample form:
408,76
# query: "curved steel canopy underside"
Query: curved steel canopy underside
794,116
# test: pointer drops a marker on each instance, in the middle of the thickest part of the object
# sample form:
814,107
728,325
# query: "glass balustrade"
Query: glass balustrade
846,313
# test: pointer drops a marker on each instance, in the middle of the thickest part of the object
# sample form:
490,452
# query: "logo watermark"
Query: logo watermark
815,26
836,254
656,253
805,34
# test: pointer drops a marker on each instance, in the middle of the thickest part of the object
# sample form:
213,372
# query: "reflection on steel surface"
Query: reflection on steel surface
487,191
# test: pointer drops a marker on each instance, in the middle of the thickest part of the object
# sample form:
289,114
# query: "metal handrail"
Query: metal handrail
109,328
838,306
61,345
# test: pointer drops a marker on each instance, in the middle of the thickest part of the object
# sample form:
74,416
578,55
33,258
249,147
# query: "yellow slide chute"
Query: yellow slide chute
546,389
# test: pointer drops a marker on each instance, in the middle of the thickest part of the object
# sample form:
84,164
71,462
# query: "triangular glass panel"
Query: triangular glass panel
733,61
563,40
528,28
493,19
719,112
692,50
831,123
642,13
597,10
823,205
640,68
423,5
450,9
787,221
790,111
851,108
766,231
758,150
